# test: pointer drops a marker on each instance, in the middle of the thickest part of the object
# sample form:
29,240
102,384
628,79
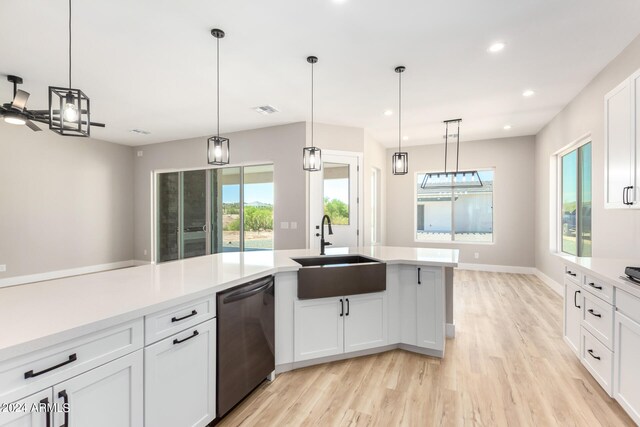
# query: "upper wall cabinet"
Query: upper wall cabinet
622,144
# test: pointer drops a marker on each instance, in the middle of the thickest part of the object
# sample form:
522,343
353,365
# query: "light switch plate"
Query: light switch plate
284,225
3,268
294,225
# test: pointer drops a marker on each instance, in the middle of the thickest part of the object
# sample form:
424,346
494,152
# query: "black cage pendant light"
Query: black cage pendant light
217,146
312,156
448,179
400,159
69,109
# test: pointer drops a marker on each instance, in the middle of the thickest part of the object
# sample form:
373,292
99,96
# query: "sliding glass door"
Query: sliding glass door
200,212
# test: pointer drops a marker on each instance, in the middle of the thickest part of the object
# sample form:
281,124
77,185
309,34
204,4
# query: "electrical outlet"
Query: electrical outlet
3,268
476,255
294,225
284,225
144,252
140,153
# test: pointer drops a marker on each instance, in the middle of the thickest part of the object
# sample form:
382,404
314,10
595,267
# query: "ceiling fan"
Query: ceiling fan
16,112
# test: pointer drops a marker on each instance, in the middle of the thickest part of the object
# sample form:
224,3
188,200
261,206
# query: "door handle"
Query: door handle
629,201
47,410
341,307
177,341
575,299
65,397
348,307
419,278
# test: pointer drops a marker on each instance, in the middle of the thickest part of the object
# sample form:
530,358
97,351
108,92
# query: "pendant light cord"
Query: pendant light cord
458,149
218,84
312,104
400,112
446,145
69,44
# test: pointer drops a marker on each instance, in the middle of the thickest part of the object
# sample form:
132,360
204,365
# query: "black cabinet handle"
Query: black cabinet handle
571,273
31,374
177,319
63,394
629,192
348,307
47,410
593,285
177,341
593,313
593,354
419,278
575,299
341,307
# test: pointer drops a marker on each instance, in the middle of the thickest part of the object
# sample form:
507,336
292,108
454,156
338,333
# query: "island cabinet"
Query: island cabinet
100,373
332,326
627,348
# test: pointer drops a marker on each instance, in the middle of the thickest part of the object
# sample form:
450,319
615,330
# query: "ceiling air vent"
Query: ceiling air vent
140,131
266,109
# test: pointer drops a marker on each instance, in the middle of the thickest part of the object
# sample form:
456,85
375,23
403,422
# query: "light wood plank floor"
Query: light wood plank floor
508,365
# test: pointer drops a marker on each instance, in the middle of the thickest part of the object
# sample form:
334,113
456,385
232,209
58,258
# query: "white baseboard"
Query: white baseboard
497,268
138,262
555,286
50,275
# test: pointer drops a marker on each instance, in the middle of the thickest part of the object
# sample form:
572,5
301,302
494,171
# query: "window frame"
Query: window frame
574,146
453,230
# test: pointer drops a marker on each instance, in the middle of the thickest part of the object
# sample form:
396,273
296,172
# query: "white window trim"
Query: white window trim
555,204
454,242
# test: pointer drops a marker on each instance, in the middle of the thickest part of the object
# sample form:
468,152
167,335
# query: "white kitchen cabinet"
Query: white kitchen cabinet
621,145
29,412
626,380
573,306
319,328
180,378
107,396
365,321
422,307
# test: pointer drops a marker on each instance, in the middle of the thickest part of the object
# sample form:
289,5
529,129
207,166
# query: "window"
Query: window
457,214
336,192
205,211
575,215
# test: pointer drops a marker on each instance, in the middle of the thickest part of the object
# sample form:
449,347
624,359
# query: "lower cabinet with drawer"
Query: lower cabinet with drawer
597,358
180,378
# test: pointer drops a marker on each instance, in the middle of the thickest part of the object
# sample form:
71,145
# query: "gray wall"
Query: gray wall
64,202
280,145
514,207
616,233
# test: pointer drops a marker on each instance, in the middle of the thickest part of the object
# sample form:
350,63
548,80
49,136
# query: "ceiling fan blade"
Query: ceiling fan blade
32,126
20,100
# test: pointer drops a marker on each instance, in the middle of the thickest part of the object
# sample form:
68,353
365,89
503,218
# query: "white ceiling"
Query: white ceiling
150,64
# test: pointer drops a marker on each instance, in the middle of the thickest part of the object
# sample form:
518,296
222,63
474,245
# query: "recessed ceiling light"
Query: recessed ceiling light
388,112
405,138
527,93
496,47
507,127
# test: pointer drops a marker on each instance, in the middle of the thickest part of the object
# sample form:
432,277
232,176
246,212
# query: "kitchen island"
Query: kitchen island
69,333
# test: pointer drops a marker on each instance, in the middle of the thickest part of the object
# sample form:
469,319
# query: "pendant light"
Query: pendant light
400,159
457,179
312,156
69,109
217,146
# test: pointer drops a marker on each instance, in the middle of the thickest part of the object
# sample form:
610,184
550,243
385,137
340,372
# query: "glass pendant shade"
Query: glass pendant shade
218,150
311,159
69,112
400,163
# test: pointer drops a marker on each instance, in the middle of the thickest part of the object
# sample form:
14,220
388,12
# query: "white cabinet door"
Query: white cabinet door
29,412
634,194
619,145
408,304
318,328
110,395
626,381
365,321
180,378
573,306
430,308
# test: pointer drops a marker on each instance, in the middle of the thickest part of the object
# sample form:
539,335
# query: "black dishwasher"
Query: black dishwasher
246,338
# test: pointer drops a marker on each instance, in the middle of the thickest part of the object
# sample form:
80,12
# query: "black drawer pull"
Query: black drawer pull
341,307
571,273
593,285
31,374
177,341
348,307
419,278
592,354
63,394
593,313
177,319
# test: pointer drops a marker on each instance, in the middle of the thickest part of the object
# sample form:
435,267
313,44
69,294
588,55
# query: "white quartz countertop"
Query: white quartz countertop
38,314
607,269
